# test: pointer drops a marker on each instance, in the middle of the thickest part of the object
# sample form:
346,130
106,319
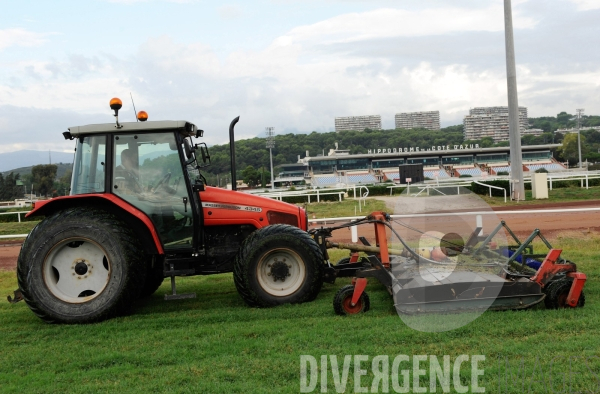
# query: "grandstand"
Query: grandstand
433,173
325,180
381,165
361,177
550,167
391,176
496,169
471,170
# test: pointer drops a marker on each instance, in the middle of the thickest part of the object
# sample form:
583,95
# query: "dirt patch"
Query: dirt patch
8,256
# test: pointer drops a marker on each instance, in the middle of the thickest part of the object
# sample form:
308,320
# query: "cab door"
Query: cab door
148,173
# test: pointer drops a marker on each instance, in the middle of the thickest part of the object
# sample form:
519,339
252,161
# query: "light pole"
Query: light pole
579,114
270,146
516,158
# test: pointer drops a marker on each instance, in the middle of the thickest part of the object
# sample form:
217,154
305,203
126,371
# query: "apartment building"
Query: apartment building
491,122
358,123
429,120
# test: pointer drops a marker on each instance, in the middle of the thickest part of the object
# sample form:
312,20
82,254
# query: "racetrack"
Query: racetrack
551,224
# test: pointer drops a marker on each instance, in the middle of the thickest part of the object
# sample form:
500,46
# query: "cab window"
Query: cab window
88,170
148,174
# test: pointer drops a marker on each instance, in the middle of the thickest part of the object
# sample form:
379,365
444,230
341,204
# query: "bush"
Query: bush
541,170
465,176
15,218
479,189
503,173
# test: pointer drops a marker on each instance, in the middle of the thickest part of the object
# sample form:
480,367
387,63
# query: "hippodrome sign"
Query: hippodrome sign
417,149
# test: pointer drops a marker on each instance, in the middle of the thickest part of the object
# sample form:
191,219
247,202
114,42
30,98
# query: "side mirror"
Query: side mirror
204,152
189,151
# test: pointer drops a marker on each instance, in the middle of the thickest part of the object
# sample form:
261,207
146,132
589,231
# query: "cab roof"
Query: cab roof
166,125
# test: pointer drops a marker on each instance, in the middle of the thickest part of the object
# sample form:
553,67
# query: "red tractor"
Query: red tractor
140,210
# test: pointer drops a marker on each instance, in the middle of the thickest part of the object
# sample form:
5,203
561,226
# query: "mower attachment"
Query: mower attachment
426,284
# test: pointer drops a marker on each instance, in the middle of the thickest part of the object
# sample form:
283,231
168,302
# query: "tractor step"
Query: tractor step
174,296
173,272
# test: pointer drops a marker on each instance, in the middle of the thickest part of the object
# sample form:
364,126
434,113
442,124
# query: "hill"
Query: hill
61,169
14,161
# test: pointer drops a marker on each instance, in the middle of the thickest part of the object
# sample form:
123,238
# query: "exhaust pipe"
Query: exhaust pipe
232,152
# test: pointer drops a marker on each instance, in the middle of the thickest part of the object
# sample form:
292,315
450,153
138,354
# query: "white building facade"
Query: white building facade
429,120
491,122
358,123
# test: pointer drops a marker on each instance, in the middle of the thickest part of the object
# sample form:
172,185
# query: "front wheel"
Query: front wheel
278,264
80,265
557,293
342,302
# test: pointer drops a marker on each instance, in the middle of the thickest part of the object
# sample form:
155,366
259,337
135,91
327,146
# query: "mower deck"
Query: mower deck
476,276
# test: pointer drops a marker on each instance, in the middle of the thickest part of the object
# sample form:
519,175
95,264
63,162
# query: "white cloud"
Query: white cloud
389,22
144,1
21,37
351,64
229,12
585,5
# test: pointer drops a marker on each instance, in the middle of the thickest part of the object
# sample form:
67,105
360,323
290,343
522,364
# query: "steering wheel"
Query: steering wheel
164,179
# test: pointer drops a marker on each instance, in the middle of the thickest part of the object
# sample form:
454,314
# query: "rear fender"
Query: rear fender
136,219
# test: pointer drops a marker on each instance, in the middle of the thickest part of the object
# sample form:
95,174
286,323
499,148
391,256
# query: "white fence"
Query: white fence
16,213
19,213
360,192
463,214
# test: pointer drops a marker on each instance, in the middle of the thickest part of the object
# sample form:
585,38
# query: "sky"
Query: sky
290,64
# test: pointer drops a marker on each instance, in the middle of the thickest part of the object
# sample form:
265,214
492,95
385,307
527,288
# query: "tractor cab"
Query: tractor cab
150,165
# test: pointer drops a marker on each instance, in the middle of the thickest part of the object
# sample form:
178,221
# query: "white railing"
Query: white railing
493,187
463,214
362,197
13,236
18,213
307,193
357,193
427,188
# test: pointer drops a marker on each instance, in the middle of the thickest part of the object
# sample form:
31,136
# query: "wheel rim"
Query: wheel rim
347,305
280,272
76,270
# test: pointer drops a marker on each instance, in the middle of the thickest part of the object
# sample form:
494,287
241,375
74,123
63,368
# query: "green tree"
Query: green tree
569,149
250,176
564,118
43,178
487,142
11,187
63,184
264,176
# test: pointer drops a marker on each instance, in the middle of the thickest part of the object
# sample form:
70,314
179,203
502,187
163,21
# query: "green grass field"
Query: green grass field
216,344
345,208
557,195
16,228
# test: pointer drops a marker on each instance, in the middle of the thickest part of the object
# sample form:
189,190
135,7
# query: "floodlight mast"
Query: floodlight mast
579,115
270,146
516,158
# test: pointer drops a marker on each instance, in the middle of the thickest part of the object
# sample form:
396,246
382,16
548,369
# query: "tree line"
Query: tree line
252,156
42,181
253,152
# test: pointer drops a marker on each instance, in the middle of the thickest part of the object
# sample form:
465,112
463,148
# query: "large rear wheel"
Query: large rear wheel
278,264
80,265
154,276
